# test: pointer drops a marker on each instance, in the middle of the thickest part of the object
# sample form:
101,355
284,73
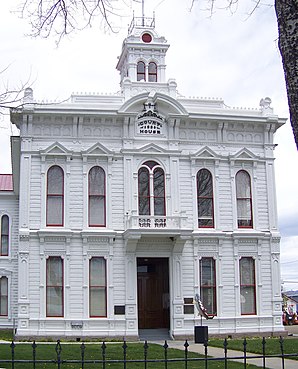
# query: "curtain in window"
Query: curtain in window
97,197
208,284
244,203
55,196
159,192
247,286
97,288
54,286
3,296
4,235
144,191
152,72
205,199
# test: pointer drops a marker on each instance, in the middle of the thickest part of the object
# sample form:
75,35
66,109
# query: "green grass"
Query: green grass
114,351
254,345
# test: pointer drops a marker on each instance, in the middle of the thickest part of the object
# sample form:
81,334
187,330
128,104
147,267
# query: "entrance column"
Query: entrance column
131,295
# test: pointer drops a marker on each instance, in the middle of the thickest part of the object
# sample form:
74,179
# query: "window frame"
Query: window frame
141,75
104,287
209,286
4,233
210,197
101,196
56,195
6,296
246,285
151,166
152,74
244,199
61,287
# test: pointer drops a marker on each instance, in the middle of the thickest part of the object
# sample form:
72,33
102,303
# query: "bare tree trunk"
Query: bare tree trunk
287,19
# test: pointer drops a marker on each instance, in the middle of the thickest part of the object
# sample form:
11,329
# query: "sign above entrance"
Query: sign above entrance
149,122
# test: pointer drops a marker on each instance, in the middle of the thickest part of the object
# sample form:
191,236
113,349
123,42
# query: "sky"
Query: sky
229,55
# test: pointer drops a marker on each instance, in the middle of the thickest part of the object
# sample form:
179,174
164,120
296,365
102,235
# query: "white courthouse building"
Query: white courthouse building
122,207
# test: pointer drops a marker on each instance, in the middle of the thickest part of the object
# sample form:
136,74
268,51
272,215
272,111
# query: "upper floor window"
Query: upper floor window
4,235
54,288
55,196
208,284
151,183
152,72
247,286
97,197
244,200
97,287
141,71
205,199
3,296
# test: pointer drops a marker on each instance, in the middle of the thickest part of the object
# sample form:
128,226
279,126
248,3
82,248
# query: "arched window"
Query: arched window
244,201
4,235
247,286
3,296
151,183
97,197
55,196
141,71
205,199
152,72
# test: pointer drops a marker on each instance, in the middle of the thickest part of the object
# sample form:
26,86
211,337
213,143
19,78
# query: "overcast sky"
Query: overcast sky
232,56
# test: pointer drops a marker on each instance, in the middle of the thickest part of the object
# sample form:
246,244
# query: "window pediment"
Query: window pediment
56,149
98,150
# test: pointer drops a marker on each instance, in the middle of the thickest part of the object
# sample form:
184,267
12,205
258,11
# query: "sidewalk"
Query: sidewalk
270,363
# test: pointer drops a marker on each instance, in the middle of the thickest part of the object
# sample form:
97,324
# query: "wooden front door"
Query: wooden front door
153,293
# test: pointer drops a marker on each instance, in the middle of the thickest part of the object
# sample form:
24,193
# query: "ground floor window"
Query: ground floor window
54,289
3,296
208,284
97,287
247,286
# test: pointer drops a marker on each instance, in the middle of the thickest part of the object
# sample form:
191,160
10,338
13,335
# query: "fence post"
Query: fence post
225,345
186,345
264,352
206,354
103,352
281,343
244,352
83,355
145,353
165,346
34,354
124,354
58,350
12,345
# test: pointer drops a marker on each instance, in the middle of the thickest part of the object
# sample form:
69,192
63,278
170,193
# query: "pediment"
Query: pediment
98,150
56,149
244,154
152,148
205,153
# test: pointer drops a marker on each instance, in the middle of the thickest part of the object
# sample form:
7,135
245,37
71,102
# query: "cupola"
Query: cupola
142,59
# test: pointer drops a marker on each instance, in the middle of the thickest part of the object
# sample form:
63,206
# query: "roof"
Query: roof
6,182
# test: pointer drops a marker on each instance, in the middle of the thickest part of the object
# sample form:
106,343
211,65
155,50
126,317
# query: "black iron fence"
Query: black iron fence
187,359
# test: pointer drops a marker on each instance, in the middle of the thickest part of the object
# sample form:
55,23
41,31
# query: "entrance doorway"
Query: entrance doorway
153,293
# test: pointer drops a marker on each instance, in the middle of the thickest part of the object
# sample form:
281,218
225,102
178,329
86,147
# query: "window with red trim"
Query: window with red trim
244,200
97,197
152,72
247,286
3,296
54,287
208,284
97,287
205,199
55,196
151,189
141,71
4,235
